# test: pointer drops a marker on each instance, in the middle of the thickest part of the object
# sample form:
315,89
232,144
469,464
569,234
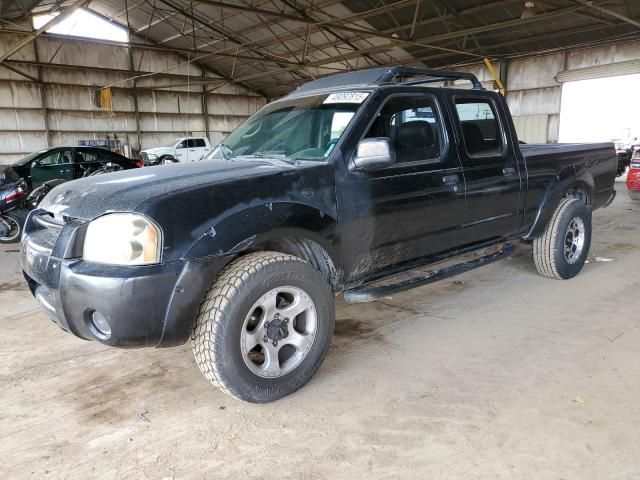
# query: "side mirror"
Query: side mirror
373,154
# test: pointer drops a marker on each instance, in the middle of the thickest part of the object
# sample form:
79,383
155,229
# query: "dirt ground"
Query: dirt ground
498,373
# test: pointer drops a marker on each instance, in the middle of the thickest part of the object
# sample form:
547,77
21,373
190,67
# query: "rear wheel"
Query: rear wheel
560,252
14,225
264,327
634,194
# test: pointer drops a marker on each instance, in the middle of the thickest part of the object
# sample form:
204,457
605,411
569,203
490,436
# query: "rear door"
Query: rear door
88,160
494,198
411,209
56,164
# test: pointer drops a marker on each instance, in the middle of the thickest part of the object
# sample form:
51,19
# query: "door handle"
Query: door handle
450,179
509,171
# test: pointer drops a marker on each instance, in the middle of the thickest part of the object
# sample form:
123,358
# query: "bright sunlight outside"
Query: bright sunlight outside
601,110
82,23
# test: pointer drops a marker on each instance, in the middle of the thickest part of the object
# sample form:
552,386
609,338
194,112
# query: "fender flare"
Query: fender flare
288,225
572,180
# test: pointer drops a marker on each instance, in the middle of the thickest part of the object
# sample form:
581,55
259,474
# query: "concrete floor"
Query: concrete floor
499,373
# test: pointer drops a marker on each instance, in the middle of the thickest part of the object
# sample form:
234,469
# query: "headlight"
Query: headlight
123,239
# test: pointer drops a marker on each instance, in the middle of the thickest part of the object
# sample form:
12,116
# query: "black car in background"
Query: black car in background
67,163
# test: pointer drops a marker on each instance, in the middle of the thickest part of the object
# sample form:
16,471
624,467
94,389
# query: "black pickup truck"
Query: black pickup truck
351,184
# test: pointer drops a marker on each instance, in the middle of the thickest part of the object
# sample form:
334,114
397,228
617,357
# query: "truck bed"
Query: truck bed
530,150
593,164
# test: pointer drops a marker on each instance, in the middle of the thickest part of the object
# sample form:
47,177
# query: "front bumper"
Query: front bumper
153,305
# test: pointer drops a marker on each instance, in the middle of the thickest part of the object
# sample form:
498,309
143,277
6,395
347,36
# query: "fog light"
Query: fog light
101,324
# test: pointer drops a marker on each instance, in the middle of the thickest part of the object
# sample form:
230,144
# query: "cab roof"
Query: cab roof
378,77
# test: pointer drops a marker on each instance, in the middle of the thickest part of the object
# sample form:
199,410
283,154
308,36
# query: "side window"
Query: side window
112,157
103,156
198,142
182,144
480,127
83,156
57,157
413,127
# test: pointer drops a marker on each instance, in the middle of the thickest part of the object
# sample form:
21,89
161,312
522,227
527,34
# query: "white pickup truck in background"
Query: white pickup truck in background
186,149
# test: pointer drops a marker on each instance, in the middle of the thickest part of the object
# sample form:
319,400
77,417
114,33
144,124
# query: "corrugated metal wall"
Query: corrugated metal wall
534,90
67,91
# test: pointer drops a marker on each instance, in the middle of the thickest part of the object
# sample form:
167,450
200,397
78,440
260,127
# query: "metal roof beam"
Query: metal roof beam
50,24
391,31
432,38
518,22
608,11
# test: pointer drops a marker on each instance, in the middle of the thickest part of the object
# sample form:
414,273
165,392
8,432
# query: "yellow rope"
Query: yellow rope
106,101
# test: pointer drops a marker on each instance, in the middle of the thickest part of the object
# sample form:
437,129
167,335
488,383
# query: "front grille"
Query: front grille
44,238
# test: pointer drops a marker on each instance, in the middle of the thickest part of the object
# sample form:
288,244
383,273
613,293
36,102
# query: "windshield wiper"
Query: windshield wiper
280,158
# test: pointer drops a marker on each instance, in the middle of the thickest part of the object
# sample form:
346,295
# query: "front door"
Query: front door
182,152
56,164
412,209
492,173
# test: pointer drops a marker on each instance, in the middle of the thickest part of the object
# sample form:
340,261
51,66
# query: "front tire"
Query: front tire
560,252
264,327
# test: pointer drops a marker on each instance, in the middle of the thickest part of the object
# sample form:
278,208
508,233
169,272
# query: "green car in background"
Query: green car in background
67,163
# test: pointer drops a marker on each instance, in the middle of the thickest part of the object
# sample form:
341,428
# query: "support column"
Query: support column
504,75
205,106
43,94
132,67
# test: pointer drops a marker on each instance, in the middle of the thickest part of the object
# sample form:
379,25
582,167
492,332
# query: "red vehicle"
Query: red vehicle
633,176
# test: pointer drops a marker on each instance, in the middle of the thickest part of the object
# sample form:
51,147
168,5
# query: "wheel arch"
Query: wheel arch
571,182
286,227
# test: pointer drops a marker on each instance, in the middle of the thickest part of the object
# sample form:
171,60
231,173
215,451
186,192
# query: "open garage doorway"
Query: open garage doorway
601,110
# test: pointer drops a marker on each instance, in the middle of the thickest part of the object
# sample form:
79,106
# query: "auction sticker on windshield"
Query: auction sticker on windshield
346,97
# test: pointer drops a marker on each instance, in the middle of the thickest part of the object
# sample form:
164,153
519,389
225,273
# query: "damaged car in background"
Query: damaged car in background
361,183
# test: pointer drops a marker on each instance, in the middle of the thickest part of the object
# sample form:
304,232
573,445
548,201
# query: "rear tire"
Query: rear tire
560,252
16,224
276,301
634,194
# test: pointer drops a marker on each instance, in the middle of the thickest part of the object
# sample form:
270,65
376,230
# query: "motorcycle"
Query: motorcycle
13,193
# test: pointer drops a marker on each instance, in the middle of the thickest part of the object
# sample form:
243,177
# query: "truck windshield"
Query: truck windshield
305,128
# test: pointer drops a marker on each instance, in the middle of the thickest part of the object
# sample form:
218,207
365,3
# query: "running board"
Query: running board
371,292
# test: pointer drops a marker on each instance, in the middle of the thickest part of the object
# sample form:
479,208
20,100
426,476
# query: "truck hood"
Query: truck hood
158,150
125,191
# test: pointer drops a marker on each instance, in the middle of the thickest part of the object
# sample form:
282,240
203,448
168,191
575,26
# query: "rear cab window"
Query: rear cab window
481,131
